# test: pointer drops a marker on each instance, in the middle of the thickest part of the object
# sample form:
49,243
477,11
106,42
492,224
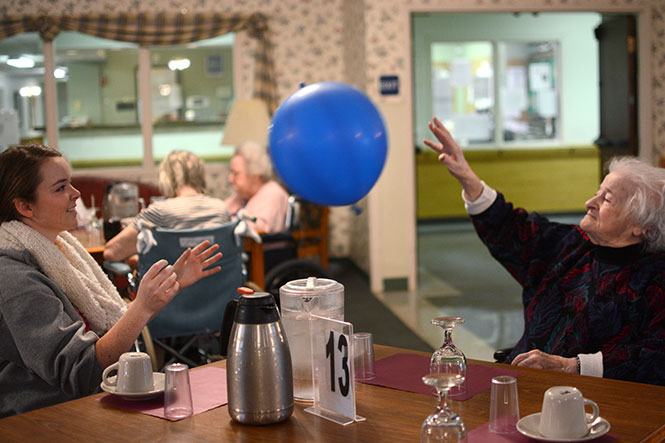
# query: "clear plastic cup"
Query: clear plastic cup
363,356
504,405
178,392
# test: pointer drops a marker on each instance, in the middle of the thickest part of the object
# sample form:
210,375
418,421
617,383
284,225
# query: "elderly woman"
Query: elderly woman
256,193
182,181
593,294
61,319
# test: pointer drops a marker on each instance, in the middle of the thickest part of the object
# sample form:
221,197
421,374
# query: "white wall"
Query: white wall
6,101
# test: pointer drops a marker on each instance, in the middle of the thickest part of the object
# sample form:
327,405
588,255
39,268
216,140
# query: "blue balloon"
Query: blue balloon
328,143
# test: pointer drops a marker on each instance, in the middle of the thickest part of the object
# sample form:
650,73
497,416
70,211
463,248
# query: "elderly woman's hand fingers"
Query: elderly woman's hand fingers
520,359
541,360
440,131
434,146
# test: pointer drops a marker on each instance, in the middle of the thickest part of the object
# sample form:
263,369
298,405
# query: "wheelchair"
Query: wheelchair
278,258
187,328
274,258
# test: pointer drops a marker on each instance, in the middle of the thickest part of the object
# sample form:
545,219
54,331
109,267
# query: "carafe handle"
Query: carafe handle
227,321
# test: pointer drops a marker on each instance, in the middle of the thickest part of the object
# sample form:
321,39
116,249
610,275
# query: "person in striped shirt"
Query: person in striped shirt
182,180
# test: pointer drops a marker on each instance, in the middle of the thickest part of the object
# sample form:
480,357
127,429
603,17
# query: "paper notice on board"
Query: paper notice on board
546,103
540,76
514,102
460,73
516,78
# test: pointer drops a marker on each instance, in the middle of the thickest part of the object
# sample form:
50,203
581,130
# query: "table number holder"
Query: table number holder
332,370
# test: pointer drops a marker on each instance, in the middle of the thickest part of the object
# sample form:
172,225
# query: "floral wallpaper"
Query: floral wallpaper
658,69
354,41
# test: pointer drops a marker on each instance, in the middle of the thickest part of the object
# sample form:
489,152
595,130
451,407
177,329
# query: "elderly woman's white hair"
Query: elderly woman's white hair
646,199
256,159
181,168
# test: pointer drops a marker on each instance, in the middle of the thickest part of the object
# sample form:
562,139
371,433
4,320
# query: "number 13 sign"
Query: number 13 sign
332,370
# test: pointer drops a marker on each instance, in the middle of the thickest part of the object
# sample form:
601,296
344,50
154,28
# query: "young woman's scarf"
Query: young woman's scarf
72,269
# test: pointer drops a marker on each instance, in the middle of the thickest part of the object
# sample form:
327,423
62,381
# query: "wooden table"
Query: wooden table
97,253
635,411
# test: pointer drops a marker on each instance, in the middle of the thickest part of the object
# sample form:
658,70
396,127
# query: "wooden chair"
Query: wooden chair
312,232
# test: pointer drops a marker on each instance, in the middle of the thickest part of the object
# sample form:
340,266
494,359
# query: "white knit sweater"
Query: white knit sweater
73,270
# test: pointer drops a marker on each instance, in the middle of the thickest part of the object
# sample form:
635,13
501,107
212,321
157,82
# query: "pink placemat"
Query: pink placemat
482,434
208,392
405,372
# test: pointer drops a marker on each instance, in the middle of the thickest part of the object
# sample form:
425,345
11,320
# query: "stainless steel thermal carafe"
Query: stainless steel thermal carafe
258,368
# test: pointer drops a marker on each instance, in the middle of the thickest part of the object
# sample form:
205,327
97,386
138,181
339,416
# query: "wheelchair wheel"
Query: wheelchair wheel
292,270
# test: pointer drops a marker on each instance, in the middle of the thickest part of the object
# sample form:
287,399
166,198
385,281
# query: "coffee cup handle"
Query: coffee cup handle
114,367
594,406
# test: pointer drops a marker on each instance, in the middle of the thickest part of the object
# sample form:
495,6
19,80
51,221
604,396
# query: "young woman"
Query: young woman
61,319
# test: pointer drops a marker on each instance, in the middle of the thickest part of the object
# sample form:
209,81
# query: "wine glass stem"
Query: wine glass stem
443,401
447,337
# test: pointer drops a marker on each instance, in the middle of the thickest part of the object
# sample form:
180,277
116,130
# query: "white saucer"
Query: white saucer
530,424
158,385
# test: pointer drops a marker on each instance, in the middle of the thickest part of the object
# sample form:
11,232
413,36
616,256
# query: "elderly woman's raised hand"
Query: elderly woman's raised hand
193,264
158,286
540,360
451,155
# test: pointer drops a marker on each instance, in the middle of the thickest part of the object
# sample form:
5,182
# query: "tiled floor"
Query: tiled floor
458,277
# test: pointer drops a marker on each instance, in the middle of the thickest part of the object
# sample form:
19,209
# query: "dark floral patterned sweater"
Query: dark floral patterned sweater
580,298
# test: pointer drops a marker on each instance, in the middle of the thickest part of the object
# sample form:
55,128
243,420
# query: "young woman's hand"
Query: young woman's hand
158,286
193,264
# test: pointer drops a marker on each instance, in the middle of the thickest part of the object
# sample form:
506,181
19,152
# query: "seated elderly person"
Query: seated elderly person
255,192
182,180
593,294
61,320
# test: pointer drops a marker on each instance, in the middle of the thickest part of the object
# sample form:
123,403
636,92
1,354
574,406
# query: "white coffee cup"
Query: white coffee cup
563,415
134,373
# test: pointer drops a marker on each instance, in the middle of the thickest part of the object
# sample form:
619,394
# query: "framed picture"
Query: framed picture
214,66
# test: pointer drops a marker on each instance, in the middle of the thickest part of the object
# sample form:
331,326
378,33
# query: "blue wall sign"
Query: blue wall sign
389,85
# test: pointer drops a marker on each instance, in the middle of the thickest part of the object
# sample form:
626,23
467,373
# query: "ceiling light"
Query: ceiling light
30,91
21,62
179,64
60,72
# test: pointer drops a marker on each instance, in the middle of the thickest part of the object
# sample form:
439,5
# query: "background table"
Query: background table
635,411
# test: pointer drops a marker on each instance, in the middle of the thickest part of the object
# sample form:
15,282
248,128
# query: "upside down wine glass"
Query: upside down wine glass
448,358
443,425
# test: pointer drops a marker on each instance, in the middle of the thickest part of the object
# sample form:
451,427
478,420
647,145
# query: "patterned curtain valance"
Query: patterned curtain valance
155,29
